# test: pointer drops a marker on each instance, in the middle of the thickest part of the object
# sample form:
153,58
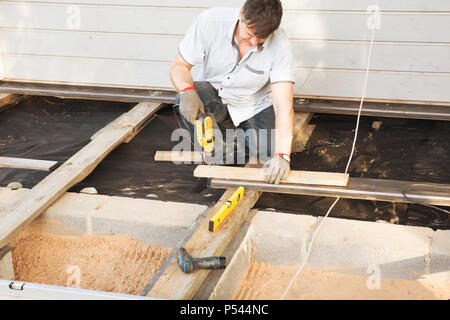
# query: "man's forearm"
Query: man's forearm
180,75
284,126
282,96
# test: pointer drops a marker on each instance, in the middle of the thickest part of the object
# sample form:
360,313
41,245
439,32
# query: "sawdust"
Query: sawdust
265,281
106,263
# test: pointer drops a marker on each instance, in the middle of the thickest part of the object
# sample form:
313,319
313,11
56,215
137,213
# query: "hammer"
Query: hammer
188,264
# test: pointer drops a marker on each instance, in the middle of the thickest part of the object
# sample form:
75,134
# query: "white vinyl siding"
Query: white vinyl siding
132,43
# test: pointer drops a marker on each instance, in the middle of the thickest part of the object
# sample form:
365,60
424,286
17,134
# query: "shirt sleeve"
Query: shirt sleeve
284,65
193,46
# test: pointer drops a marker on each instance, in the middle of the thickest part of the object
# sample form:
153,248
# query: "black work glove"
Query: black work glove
276,169
191,105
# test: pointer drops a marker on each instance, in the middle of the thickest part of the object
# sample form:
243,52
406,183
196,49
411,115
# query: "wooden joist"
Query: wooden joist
8,100
299,142
21,163
301,131
258,174
16,216
179,156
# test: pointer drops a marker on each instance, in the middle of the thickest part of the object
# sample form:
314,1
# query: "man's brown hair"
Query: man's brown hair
262,16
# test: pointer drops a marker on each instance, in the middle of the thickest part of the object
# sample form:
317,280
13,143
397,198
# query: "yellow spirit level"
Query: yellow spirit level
223,212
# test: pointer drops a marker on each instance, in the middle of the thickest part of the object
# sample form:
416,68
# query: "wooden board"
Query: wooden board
299,142
301,120
179,156
257,174
8,100
16,216
176,285
21,163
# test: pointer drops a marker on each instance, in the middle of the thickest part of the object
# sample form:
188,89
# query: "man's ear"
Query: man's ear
240,14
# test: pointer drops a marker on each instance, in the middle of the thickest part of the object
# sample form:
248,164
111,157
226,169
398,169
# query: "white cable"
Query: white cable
299,270
309,250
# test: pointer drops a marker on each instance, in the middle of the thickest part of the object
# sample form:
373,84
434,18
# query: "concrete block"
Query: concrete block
70,214
155,212
441,243
6,265
281,238
353,250
440,254
151,221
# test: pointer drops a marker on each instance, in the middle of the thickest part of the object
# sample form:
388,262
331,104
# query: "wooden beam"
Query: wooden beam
179,156
299,143
8,100
176,285
21,163
18,215
258,174
300,126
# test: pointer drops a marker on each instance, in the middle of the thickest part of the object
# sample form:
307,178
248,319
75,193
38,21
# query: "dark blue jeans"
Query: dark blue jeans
257,132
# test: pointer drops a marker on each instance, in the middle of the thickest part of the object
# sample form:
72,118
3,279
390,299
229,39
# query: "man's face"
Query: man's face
247,35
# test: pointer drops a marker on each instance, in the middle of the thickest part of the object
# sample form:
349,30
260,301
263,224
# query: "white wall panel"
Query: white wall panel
354,5
131,43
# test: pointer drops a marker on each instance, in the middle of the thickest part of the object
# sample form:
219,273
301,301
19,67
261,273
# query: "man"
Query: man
248,71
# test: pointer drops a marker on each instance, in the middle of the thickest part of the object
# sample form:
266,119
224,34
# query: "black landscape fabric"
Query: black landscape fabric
49,128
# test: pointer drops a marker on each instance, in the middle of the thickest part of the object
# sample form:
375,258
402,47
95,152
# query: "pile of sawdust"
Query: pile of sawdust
265,281
106,263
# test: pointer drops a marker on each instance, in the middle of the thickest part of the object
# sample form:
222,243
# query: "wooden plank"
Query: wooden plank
179,156
7,101
21,163
174,284
301,120
299,142
18,215
258,174
356,5
331,25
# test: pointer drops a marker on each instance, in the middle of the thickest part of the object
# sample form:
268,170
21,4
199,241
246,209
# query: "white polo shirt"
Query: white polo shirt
243,84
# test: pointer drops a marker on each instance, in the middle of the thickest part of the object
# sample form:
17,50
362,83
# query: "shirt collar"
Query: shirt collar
233,28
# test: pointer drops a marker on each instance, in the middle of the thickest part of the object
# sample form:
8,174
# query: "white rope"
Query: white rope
300,269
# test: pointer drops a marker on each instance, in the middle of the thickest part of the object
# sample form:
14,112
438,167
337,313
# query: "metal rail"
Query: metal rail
88,92
376,109
357,188
28,290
